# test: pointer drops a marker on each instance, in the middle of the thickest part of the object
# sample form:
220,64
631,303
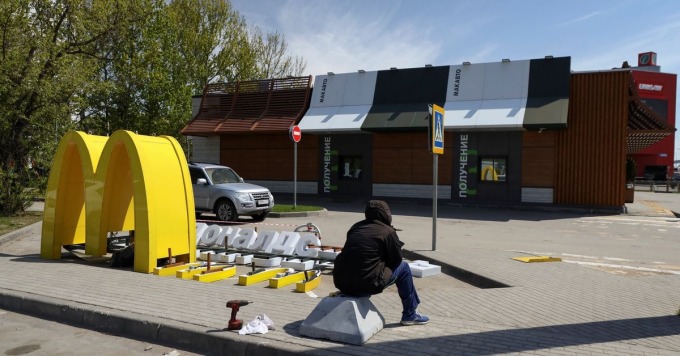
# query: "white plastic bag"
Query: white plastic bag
260,325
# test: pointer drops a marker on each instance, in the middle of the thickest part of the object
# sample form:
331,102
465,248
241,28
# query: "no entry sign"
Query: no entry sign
295,133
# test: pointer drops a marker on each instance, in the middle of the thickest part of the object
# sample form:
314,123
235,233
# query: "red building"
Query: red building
658,91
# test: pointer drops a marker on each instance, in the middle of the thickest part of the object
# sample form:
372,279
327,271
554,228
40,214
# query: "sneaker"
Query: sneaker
415,319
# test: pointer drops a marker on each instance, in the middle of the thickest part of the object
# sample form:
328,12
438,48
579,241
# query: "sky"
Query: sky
343,36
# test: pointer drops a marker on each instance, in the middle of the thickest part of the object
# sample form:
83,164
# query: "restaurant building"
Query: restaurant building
527,132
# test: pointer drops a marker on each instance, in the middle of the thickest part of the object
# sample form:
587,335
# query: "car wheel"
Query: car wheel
225,210
260,216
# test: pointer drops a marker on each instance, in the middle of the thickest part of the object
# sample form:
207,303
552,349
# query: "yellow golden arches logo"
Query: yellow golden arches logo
127,181
489,173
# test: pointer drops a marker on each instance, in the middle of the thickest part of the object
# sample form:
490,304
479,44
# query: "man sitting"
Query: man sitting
371,260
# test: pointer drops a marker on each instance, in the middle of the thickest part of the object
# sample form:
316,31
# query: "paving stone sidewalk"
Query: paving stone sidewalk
546,308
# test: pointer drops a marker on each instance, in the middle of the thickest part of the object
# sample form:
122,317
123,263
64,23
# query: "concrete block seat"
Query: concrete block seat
343,318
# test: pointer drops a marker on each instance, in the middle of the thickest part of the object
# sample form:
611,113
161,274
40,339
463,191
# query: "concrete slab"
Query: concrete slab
344,319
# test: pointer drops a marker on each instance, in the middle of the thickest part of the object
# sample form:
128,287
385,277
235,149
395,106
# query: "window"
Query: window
350,167
222,175
196,174
493,169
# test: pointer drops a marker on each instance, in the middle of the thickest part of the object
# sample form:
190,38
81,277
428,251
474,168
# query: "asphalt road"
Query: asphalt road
24,335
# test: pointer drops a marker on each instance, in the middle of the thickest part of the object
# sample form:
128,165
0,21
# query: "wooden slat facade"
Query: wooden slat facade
538,159
590,154
404,158
270,157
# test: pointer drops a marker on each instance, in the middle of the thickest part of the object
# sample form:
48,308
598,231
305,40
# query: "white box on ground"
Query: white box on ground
297,265
228,257
328,254
267,262
244,260
420,268
204,254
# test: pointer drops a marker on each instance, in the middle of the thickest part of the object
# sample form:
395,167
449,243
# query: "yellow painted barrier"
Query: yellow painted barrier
171,271
138,183
189,272
225,273
306,286
537,259
286,280
246,280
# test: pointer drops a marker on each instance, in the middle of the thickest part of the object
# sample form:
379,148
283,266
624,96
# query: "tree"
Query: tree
47,56
272,58
100,66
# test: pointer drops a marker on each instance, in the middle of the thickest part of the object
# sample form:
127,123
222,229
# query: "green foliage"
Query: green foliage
14,196
288,208
101,66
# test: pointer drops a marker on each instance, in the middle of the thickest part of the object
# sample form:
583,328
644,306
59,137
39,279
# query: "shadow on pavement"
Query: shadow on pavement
423,208
533,339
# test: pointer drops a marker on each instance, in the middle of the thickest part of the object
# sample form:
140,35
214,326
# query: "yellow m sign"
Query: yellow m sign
124,182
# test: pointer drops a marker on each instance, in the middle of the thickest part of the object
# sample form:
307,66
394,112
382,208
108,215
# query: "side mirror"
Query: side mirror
240,179
201,181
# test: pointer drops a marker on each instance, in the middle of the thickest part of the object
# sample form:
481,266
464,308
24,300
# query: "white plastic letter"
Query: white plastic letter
244,238
286,243
264,241
301,248
209,237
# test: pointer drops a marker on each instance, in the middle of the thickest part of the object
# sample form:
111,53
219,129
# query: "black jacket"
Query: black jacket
372,251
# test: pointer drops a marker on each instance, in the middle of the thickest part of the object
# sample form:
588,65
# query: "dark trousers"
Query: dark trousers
401,276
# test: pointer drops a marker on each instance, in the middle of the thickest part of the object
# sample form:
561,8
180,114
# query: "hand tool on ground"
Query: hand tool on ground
236,324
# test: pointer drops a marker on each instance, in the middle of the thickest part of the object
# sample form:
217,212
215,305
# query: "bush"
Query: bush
15,195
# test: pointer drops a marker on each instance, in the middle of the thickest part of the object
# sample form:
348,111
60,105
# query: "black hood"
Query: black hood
378,210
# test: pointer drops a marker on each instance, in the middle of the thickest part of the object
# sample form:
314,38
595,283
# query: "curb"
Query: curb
13,235
298,214
148,329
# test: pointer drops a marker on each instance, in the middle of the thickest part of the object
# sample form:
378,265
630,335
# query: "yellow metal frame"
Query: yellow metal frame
246,280
171,271
306,286
139,183
286,280
215,276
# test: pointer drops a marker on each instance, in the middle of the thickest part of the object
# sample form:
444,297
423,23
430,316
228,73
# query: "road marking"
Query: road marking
642,269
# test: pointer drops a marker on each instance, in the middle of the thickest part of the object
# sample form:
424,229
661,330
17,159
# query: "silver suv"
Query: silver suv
220,190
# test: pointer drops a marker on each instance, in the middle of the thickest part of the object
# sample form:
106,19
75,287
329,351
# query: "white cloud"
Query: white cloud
580,19
344,40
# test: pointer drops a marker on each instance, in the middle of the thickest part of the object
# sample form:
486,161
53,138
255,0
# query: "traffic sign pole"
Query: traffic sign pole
437,147
294,175
295,134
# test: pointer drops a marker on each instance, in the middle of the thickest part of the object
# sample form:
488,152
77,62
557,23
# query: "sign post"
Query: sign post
295,135
436,144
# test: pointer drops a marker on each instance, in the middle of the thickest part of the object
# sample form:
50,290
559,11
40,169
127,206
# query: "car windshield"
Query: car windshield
222,175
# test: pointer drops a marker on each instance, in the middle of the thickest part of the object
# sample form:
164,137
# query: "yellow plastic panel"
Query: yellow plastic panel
246,280
143,184
531,259
189,272
286,280
306,286
215,276
171,271
70,181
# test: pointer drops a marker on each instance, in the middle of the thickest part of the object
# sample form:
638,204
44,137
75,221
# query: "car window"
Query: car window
195,175
222,175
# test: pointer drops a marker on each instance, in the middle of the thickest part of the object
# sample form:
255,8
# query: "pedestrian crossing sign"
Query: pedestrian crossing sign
437,129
